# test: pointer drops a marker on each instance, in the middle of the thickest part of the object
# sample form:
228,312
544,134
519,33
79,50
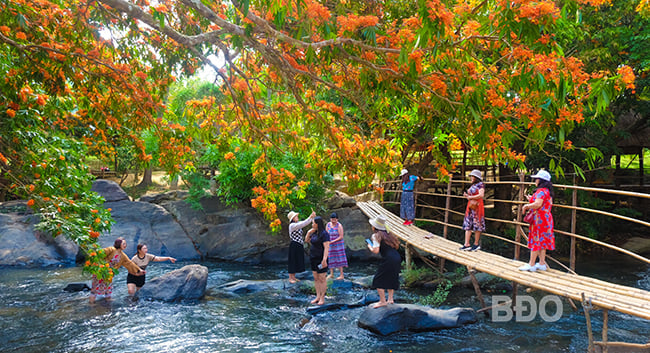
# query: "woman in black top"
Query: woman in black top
320,246
387,276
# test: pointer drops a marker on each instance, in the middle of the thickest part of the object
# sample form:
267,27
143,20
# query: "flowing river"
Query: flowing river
36,315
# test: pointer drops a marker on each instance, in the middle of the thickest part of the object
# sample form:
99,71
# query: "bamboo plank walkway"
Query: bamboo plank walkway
628,300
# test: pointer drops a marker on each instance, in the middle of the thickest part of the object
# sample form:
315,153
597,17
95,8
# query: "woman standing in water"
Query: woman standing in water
116,258
337,257
142,259
296,247
387,276
320,246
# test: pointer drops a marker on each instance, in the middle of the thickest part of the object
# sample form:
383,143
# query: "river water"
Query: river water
36,315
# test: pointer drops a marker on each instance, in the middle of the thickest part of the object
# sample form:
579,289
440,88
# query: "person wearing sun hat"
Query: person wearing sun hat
474,220
540,236
387,276
407,204
296,246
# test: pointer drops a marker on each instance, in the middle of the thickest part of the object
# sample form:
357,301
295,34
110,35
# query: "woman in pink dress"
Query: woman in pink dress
337,257
540,236
116,259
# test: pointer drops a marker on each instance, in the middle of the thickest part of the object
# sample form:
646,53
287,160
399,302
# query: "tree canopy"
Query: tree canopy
347,86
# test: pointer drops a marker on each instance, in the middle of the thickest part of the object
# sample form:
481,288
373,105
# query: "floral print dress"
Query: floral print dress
102,286
475,218
541,230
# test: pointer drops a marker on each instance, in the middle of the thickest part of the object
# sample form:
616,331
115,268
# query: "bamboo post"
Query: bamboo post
518,229
477,288
574,203
445,229
641,167
409,259
587,306
605,319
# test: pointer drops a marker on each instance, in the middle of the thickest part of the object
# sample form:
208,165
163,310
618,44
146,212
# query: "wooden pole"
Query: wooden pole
587,306
445,229
518,229
574,203
605,319
409,260
641,167
477,288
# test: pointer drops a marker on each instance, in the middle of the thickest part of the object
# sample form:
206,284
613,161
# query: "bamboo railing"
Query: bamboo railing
519,225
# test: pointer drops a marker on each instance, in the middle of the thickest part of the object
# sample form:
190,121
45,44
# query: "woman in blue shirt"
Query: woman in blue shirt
407,206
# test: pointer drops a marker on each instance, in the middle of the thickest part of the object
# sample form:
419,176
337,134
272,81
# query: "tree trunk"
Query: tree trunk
146,178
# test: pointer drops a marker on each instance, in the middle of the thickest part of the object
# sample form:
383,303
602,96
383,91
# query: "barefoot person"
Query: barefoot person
296,247
116,258
142,259
387,276
337,258
320,244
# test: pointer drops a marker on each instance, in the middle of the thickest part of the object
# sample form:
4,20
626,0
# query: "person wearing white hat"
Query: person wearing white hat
407,204
387,276
541,236
474,220
296,247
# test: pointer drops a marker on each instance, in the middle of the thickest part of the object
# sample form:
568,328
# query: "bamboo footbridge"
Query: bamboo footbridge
628,300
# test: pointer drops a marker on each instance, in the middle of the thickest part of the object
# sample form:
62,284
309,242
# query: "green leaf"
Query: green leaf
244,7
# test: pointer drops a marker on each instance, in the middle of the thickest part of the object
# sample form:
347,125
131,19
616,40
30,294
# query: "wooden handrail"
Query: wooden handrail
518,222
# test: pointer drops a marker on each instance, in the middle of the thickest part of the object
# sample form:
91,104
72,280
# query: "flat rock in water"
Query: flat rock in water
243,286
76,287
416,318
370,298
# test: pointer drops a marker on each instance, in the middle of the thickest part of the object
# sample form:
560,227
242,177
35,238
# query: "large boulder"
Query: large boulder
109,190
143,222
151,224
409,317
22,245
233,233
186,283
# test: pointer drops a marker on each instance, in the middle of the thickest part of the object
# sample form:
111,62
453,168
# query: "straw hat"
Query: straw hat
476,173
291,215
542,174
404,171
378,222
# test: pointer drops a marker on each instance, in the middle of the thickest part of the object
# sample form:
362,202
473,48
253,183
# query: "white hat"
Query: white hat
476,173
291,215
404,171
542,174
378,222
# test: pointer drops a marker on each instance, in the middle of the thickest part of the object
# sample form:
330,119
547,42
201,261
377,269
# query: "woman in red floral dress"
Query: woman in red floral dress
540,236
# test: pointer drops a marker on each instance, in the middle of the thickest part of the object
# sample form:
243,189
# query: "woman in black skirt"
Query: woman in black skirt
296,247
387,276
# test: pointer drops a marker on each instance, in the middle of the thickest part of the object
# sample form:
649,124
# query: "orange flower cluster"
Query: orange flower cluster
439,12
352,22
317,12
627,76
537,12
